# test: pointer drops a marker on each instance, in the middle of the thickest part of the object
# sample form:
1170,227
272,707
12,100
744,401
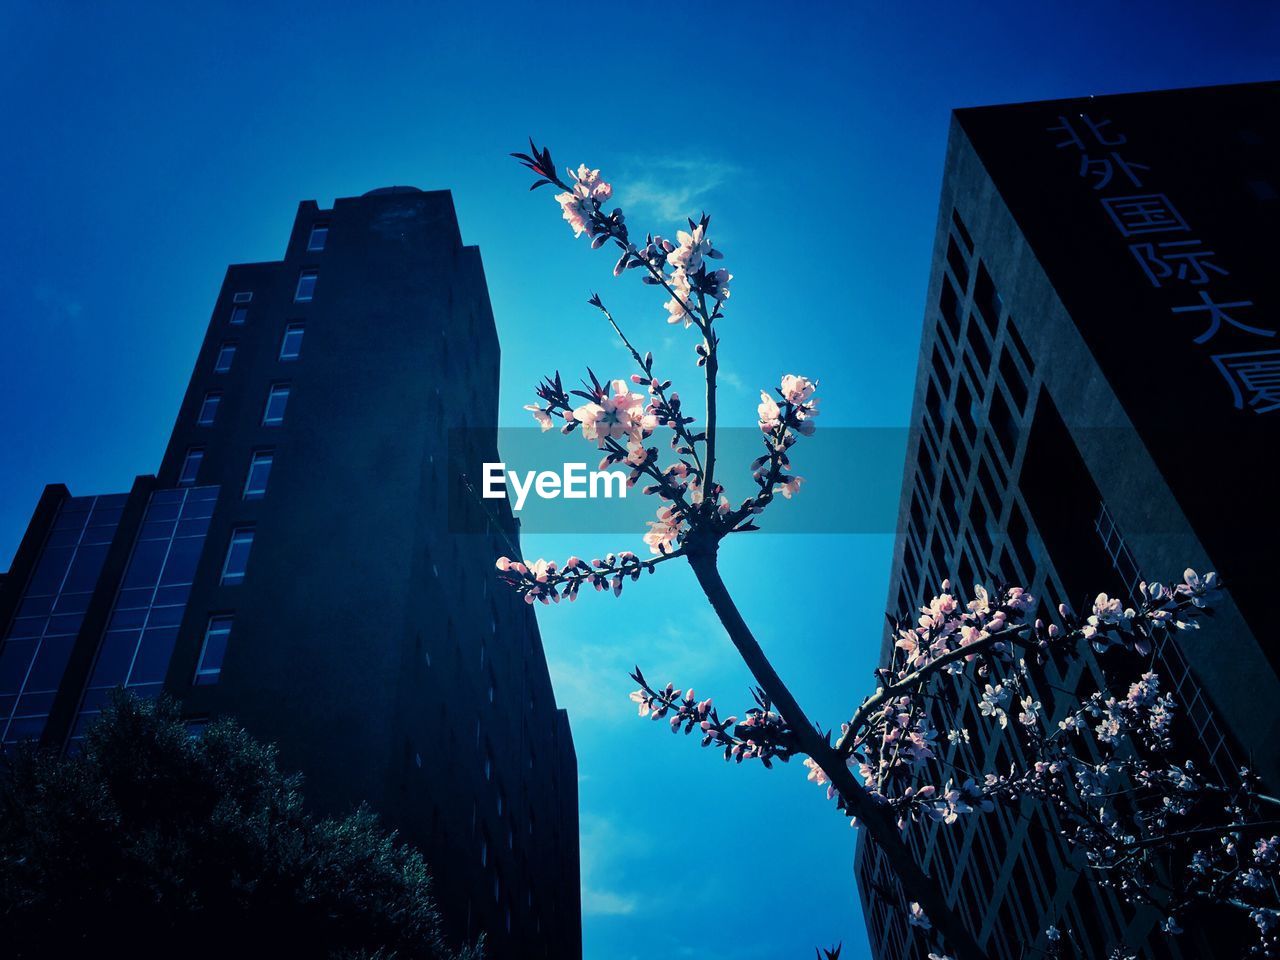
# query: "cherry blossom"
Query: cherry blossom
898,764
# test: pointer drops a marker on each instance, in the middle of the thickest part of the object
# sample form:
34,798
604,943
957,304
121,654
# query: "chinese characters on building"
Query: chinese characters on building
1173,257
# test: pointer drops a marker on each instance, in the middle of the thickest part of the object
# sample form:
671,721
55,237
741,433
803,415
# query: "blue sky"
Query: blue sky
149,146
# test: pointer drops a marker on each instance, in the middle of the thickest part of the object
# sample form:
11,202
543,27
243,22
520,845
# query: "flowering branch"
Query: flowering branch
1108,767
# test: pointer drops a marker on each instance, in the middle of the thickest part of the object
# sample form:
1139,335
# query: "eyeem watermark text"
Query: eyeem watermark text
573,482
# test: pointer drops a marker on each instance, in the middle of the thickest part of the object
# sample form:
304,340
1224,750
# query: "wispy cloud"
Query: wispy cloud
674,188
603,841
60,307
606,903
730,379
592,678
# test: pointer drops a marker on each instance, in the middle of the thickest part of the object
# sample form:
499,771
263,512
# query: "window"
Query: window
291,345
277,399
211,653
239,315
306,287
190,466
243,297
255,484
237,555
226,353
319,235
209,409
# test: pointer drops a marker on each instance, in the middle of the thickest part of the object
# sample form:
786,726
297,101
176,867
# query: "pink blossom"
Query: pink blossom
791,486
663,532
769,413
583,199
797,390
541,416
616,415
677,306
692,248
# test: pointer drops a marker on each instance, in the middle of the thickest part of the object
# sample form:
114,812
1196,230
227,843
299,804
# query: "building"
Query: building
293,564
1097,403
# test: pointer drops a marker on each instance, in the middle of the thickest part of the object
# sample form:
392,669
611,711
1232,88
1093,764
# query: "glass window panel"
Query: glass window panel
27,627
35,607
34,704
64,625
172,596
51,661
144,565
70,521
239,315
114,657
166,496
306,286
153,656
181,565
226,354
209,409
161,512
127,619
137,597
83,575
291,344
192,527
191,466
215,646
94,535
64,538
237,556
49,571
255,485
14,661
277,400
156,530
319,236
165,617
105,516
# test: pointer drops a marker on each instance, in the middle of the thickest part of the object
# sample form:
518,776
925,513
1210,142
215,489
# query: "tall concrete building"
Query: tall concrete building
1097,403
293,564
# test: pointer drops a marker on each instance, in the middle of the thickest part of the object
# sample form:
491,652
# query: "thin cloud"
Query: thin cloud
593,677
674,189
59,306
603,842
731,379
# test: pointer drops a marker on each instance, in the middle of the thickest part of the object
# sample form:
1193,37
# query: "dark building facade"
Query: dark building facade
1097,403
292,564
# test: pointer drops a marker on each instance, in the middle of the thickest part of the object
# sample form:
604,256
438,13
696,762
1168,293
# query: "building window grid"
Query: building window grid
24,709
1183,682
145,615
